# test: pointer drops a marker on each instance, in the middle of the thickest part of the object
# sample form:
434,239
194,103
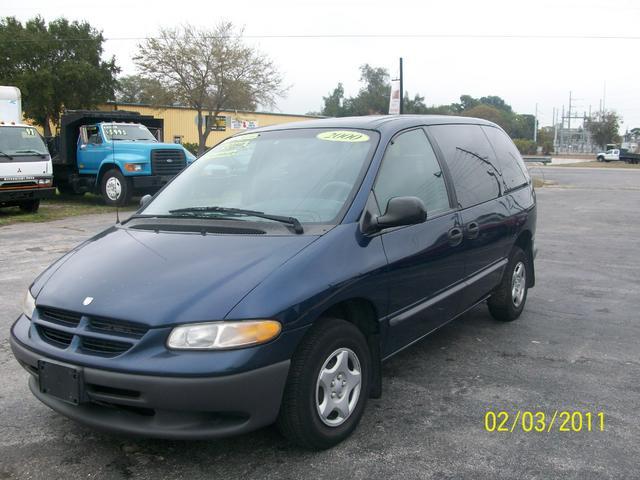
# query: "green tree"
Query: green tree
414,105
488,112
56,66
373,97
334,103
138,89
210,70
604,128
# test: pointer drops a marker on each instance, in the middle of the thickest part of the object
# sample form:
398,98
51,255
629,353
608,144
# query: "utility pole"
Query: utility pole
401,89
535,125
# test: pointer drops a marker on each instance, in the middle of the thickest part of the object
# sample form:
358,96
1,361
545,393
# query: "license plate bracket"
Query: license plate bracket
61,381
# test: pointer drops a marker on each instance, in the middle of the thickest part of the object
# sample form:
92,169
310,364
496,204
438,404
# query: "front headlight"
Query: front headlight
28,304
223,335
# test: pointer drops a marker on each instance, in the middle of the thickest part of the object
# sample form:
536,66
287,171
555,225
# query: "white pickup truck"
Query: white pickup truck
26,173
610,155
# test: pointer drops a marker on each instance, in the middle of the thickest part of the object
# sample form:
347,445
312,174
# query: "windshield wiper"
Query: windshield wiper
294,222
31,151
6,155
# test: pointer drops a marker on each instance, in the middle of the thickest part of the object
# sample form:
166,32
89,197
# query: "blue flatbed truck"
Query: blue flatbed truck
115,154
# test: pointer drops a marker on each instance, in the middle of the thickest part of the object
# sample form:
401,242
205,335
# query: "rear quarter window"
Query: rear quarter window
514,171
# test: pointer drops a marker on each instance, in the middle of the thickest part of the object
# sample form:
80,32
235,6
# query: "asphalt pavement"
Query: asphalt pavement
575,348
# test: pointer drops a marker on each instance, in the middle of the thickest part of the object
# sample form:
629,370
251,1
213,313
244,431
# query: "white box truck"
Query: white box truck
26,173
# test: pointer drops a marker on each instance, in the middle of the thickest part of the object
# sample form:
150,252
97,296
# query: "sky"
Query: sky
454,56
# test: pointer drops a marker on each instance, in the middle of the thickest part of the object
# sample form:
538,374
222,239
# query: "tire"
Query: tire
115,188
601,159
30,206
299,419
506,303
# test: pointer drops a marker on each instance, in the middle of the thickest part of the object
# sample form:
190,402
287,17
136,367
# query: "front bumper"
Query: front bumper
149,181
167,407
14,196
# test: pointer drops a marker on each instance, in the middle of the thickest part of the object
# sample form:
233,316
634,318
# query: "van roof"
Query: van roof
378,122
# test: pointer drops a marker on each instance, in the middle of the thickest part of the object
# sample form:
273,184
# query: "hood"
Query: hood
162,279
131,146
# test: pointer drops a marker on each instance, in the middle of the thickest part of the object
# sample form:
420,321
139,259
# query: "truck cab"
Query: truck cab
26,174
116,158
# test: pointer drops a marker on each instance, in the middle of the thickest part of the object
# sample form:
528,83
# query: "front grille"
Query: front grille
104,347
167,162
63,317
56,338
119,328
96,335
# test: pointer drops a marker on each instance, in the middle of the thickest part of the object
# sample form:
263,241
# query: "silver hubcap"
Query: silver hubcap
518,284
113,188
338,387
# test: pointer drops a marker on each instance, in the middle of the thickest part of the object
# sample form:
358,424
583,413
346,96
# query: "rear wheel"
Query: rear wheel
507,302
115,188
328,385
30,206
601,158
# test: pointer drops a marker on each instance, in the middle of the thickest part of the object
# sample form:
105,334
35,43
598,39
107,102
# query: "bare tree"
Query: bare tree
210,71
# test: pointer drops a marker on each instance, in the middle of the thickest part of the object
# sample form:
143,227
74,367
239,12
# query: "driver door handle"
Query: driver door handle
473,230
455,236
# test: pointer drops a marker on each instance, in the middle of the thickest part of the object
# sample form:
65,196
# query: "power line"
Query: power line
365,36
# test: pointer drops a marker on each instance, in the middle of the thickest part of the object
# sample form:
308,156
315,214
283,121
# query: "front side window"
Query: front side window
410,168
20,141
471,161
308,174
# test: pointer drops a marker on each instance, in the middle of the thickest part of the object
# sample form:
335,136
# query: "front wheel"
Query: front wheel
328,385
30,206
115,188
507,301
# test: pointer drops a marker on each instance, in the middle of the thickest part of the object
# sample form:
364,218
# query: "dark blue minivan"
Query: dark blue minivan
269,280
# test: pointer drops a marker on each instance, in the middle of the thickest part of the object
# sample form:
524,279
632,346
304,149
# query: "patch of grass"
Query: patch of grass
538,182
61,206
596,164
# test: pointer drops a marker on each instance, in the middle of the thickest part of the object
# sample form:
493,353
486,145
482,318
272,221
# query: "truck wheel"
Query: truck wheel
328,385
507,301
601,158
30,206
115,188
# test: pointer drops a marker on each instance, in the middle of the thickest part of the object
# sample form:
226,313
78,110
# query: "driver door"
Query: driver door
91,149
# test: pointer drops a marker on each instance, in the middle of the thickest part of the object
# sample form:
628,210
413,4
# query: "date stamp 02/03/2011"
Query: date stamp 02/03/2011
539,421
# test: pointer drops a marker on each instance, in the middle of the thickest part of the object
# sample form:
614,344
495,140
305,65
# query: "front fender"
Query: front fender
119,159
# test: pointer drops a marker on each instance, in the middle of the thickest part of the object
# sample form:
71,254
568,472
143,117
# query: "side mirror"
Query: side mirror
145,200
402,211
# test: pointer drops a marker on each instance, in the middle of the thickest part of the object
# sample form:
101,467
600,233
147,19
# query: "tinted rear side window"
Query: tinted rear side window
514,171
471,161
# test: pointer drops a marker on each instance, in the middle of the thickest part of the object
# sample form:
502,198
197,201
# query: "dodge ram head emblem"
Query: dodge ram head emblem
87,301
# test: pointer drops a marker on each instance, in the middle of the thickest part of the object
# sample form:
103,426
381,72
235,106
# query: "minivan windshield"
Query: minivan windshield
21,141
308,174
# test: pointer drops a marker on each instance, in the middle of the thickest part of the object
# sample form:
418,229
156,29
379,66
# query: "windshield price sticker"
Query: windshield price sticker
343,136
115,131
